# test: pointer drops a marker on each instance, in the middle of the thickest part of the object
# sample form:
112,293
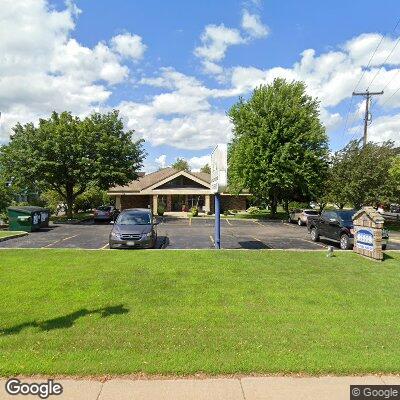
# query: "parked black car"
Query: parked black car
336,226
134,227
105,213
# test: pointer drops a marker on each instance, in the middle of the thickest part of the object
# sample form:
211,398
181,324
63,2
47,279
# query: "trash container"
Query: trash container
28,218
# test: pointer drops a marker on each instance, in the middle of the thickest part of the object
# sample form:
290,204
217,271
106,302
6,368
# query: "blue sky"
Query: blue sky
148,59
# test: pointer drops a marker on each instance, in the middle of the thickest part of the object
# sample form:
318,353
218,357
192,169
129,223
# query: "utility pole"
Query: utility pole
367,117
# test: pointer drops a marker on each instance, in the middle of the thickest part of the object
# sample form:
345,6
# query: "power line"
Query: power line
359,80
373,103
391,80
388,56
348,114
380,68
390,97
367,117
369,62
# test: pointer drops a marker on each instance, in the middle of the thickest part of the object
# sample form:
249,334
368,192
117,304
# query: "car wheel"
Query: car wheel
299,222
345,242
384,247
314,235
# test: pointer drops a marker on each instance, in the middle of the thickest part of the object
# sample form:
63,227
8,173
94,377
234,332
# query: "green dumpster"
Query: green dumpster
28,218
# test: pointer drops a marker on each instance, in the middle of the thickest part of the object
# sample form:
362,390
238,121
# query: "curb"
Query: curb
76,222
13,236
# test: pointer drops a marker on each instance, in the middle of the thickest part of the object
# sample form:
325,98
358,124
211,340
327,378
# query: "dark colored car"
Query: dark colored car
337,226
105,213
134,227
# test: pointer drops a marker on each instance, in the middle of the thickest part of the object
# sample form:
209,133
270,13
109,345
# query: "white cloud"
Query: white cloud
330,76
215,41
361,47
43,68
129,46
252,24
330,121
161,161
88,65
196,163
385,128
212,68
194,130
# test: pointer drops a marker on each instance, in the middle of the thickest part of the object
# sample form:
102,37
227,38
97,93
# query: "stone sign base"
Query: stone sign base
368,226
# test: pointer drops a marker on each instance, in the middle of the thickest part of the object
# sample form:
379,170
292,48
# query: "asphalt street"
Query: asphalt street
197,233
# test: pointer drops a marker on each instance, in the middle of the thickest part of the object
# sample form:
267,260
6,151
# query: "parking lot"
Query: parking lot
197,233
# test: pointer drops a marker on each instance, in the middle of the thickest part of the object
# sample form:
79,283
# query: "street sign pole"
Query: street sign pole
217,234
219,180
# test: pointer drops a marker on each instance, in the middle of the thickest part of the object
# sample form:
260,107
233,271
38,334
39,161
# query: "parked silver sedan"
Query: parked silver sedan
301,216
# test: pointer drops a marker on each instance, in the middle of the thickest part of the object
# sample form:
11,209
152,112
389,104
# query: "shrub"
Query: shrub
3,218
93,197
253,210
161,209
234,211
194,211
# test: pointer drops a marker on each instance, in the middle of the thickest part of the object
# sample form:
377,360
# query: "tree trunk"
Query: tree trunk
286,206
274,204
70,201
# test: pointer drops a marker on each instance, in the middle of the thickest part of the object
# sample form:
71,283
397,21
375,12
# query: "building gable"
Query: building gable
181,180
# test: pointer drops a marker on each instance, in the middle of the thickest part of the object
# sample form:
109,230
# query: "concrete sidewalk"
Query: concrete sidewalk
244,388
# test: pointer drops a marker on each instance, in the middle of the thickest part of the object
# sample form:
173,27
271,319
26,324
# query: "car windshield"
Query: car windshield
346,216
136,218
311,212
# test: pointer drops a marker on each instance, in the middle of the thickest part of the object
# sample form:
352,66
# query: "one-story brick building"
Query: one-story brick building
177,190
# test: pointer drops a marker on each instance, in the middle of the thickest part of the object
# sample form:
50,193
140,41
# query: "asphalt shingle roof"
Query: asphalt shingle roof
148,180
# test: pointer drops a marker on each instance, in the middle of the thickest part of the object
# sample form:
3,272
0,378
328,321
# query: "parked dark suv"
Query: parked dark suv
134,227
105,213
337,226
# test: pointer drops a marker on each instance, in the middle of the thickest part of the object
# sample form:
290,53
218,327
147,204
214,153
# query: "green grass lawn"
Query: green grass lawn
7,234
83,312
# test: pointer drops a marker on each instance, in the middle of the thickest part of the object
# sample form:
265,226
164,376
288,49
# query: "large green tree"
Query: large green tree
68,154
279,149
181,165
206,169
359,175
395,173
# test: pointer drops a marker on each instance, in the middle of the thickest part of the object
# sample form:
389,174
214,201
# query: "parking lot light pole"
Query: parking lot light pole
217,234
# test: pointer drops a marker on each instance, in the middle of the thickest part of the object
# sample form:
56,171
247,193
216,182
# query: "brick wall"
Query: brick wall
135,201
233,203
